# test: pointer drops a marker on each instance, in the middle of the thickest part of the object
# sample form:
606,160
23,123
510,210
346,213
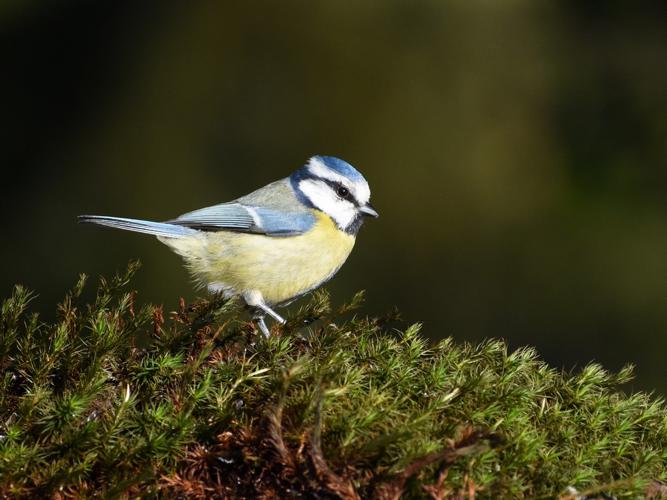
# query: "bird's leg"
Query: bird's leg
255,301
262,325
272,313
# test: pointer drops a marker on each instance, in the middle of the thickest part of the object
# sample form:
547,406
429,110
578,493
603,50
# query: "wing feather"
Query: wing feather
236,216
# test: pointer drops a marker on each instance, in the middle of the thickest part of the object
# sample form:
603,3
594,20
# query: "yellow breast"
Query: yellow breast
280,268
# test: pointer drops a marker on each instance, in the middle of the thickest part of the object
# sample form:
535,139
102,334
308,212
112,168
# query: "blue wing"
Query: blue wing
248,219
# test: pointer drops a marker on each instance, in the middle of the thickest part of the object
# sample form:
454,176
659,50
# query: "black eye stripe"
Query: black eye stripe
336,186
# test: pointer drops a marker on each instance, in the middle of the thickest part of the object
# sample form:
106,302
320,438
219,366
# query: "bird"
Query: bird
271,246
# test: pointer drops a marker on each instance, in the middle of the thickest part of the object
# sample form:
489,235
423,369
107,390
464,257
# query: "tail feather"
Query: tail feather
139,226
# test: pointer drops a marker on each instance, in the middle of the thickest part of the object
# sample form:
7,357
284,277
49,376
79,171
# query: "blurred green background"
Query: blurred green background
516,150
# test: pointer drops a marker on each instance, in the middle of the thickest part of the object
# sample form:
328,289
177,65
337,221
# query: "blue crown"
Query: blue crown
340,166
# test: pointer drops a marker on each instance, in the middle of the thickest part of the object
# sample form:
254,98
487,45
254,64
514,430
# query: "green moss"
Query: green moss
112,399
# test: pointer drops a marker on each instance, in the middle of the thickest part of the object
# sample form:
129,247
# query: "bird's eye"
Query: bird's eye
343,192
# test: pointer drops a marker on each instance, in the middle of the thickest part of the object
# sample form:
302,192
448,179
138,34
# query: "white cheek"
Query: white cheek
321,195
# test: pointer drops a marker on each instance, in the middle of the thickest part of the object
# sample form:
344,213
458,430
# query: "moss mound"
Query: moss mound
113,400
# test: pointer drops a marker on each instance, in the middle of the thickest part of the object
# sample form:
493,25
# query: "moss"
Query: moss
115,399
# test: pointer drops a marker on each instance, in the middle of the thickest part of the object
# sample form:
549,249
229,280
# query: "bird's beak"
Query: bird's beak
367,209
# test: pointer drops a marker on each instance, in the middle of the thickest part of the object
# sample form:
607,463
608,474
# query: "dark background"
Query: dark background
516,151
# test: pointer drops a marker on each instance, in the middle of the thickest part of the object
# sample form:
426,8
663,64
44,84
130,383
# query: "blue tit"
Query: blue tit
273,245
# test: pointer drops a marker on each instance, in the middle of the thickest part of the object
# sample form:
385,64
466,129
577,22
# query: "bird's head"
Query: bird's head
336,188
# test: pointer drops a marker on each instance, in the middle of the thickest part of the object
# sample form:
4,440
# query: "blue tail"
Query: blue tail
139,226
